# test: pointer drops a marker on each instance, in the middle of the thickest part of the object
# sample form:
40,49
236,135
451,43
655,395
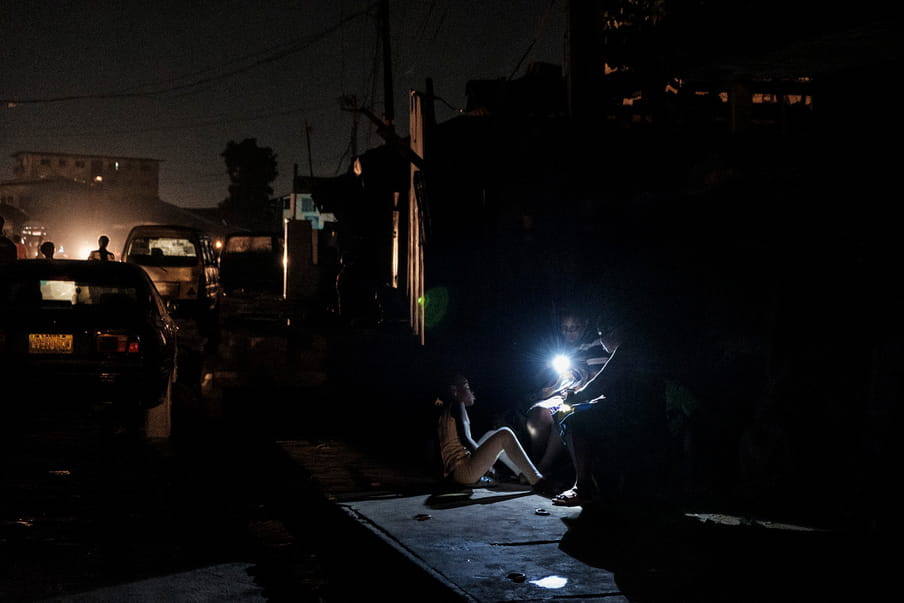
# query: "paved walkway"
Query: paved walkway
499,544
508,544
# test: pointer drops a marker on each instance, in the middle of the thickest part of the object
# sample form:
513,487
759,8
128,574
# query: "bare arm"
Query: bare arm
463,422
609,372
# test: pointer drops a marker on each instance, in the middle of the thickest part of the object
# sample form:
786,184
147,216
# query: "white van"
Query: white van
183,265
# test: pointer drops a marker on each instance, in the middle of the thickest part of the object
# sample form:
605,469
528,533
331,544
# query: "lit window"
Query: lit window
764,98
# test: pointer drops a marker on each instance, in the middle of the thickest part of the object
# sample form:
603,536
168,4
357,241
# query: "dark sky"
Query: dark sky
176,80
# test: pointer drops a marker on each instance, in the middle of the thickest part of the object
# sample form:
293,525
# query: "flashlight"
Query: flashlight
561,364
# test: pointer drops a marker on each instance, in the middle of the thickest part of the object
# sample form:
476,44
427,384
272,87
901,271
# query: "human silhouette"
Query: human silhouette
21,249
465,460
101,252
8,251
353,292
587,354
47,249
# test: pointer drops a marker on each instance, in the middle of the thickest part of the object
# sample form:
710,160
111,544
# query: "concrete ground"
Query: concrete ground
507,544
408,537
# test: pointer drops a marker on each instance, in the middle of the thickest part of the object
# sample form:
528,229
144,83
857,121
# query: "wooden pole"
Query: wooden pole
389,114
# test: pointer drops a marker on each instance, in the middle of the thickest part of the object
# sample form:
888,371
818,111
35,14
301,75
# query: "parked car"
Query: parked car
252,262
76,331
183,265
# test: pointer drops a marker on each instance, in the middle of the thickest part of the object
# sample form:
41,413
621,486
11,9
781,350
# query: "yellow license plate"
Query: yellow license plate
49,343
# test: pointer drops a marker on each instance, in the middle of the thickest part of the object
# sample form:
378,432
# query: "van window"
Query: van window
249,244
163,251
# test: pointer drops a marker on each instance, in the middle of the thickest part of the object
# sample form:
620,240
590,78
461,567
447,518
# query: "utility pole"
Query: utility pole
307,135
349,102
354,128
389,115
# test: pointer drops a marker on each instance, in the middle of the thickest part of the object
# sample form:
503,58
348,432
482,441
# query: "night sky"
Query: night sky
175,81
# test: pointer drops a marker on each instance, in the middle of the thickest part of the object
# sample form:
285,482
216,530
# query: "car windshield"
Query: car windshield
170,252
66,293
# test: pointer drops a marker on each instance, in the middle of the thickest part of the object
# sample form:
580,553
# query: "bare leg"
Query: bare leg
539,424
503,457
577,448
554,450
546,443
580,456
502,440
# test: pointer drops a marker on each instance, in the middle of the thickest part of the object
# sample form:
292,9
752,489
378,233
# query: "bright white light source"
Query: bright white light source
561,363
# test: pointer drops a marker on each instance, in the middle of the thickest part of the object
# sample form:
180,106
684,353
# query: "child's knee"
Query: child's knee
539,417
506,432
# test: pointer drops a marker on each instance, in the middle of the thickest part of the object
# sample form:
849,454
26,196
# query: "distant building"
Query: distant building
305,209
73,198
139,176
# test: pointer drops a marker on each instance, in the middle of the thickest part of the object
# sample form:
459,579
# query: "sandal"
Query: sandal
568,498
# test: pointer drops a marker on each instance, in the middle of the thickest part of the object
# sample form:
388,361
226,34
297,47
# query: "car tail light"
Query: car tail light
116,343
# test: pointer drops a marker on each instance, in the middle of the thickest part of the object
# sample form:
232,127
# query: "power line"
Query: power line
537,36
273,54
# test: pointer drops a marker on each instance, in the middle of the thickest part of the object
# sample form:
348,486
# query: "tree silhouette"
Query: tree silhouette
251,169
